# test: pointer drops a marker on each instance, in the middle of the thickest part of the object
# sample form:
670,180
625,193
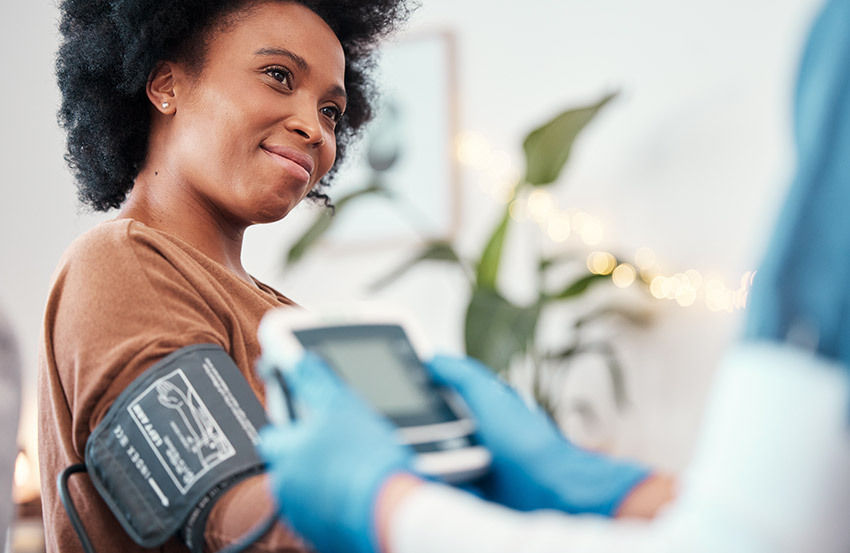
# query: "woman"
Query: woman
207,117
197,119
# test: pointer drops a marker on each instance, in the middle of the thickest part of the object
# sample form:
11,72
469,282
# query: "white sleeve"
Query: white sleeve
439,518
771,469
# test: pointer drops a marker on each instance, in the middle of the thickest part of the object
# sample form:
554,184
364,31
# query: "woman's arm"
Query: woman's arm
241,509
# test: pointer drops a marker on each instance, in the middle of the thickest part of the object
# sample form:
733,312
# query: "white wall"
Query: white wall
39,215
690,160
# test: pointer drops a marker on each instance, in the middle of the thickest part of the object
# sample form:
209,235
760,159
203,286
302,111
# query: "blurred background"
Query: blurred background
670,190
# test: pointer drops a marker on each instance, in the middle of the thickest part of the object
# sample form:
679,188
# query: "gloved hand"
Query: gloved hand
534,466
800,293
327,467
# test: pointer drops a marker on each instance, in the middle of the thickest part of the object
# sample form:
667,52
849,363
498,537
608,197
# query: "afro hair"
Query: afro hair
110,47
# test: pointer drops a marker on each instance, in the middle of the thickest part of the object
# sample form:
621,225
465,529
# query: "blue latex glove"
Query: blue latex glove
800,293
327,467
534,466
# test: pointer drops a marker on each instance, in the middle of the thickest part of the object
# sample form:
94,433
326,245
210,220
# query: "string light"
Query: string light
539,205
624,275
592,232
471,148
694,278
518,211
601,263
558,228
645,258
660,287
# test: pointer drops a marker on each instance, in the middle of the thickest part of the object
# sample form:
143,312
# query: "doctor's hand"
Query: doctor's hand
534,466
328,467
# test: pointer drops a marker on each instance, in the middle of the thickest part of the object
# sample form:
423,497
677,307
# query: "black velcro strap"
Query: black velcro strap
184,428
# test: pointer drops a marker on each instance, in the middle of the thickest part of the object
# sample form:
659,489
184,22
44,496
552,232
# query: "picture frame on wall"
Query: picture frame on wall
407,151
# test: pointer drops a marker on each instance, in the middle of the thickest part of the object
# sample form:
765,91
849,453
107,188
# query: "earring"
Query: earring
165,105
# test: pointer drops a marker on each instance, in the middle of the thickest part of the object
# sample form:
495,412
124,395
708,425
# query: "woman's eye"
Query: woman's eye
332,112
280,74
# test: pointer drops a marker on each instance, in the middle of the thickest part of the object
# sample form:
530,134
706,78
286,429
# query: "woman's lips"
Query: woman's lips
298,163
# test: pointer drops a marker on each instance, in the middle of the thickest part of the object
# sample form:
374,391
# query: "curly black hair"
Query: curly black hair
110,47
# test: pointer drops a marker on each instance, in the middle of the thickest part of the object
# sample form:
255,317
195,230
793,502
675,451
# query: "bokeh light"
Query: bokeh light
601,263
694,278
592,232
660,287
22,470
558,228
500,178
518,211
645,257
687,298
471,148
579,219
624,275
540,205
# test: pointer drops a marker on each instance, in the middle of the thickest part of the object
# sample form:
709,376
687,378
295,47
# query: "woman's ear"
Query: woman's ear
161,87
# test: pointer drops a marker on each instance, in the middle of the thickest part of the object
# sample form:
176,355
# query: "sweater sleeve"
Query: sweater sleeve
115,309
121,301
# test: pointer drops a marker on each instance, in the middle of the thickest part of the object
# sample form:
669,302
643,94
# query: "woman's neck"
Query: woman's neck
192,221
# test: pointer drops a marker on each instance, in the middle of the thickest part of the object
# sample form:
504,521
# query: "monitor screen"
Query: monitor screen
379,362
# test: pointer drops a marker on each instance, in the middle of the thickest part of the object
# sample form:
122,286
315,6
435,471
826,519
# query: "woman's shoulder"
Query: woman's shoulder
122,274
107,235
120,254
115,244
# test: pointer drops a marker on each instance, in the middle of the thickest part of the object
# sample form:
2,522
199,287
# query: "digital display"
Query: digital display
380,364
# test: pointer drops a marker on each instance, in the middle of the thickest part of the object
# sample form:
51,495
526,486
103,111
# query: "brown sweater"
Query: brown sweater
123,297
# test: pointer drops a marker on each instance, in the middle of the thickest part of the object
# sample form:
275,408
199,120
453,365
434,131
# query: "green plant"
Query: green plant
498,331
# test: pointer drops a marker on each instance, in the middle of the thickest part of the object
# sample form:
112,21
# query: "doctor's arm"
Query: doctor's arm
360,484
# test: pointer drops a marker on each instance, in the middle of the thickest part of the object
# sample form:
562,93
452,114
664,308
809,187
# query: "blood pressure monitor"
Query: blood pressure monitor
378,354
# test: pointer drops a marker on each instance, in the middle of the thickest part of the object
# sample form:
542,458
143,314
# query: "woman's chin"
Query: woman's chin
272,212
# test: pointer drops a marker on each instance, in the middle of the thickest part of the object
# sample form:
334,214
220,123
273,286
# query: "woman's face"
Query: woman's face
254,132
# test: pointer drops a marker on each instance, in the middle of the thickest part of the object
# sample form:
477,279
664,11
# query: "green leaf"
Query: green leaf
488,265
615,369
548,147
435,251
497,330
306,241
374,188
577,287
324,221
565,353
547,263
633,316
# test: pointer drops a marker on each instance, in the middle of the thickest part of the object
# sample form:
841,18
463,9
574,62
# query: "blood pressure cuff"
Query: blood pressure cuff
177,437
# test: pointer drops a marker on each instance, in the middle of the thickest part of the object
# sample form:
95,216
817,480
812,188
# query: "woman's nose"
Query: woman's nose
305,122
